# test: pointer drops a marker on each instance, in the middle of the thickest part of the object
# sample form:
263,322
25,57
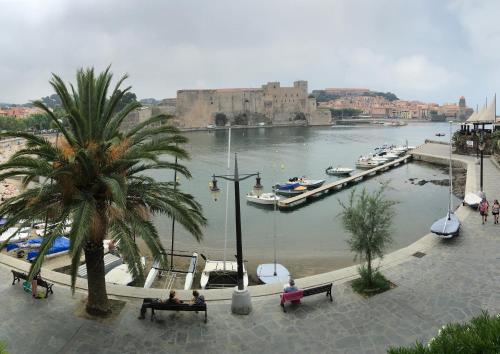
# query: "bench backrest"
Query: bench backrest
24,276
20,275
292,296
318,289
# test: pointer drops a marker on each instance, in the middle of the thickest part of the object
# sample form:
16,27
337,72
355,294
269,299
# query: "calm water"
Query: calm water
310,239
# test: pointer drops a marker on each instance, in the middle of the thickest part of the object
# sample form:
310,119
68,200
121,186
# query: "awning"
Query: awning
484,116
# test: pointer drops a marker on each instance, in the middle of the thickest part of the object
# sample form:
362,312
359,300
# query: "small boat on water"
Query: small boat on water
339,171
367,162
440,134
287,185
291,192
221,274
308,183
264,198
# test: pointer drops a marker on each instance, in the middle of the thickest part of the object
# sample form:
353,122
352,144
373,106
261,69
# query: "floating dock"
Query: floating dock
297,200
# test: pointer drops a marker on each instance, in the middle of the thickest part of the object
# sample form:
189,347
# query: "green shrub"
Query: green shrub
363,286
2,348
480,335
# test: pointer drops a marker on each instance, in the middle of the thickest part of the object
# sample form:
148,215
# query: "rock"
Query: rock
440,182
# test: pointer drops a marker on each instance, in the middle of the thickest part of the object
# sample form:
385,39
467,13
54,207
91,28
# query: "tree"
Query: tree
368,217
480,335
98,182
127,98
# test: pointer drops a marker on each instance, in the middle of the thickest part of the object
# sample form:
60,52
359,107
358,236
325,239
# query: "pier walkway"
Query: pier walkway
452,282
339,184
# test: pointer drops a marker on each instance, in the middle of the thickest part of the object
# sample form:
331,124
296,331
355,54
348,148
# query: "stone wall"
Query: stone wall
271,104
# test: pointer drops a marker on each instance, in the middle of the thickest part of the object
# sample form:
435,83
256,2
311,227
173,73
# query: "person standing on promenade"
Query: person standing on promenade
495,210
483,209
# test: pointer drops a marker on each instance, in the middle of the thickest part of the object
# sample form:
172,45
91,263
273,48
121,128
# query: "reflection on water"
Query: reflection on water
311,238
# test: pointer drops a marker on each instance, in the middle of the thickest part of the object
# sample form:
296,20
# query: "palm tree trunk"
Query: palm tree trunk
97,302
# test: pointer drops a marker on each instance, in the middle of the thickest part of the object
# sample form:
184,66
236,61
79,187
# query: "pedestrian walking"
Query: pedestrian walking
483,209
495,210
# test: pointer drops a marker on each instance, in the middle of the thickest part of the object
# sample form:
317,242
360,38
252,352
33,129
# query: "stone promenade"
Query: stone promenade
454,281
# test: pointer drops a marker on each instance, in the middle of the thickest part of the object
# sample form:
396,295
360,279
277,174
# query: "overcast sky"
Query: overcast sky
427,50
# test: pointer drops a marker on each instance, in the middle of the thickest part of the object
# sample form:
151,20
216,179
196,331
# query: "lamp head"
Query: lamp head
258,188
214,189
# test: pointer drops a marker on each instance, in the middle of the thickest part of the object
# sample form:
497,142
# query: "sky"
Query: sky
428,50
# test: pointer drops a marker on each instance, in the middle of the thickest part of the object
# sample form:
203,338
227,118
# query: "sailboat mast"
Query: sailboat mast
173,222
227,194
274,228
451,177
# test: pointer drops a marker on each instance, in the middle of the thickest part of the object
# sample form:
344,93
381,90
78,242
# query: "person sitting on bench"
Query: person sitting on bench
290,288
34,285
197,298
172,299
148,303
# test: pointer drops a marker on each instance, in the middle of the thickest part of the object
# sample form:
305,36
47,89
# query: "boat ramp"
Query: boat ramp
300,199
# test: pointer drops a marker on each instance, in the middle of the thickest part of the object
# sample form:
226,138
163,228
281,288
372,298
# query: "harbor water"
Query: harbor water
310,239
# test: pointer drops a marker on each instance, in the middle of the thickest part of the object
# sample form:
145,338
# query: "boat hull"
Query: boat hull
264,199
214,270
446,227
267,275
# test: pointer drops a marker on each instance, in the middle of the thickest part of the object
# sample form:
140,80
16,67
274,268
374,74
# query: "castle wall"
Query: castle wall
271,104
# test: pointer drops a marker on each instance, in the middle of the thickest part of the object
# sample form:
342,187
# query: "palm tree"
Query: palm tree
95,179
368,217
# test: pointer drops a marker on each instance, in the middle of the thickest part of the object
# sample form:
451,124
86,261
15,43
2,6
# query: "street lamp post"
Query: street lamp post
481,149
241,302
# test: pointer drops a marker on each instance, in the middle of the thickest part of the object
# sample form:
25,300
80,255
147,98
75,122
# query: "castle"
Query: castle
270,104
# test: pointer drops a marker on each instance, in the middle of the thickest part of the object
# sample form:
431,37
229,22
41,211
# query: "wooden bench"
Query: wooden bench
295,296
40,282
156,304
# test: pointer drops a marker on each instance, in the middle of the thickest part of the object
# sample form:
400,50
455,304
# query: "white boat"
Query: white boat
211,126
264,198
367,162
291,192
221,274
308,183
339,171
311,183
110,261
173,274
390,155
152,275
472,200
380,159
273,273
188,283
16,234
448,226
121,275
